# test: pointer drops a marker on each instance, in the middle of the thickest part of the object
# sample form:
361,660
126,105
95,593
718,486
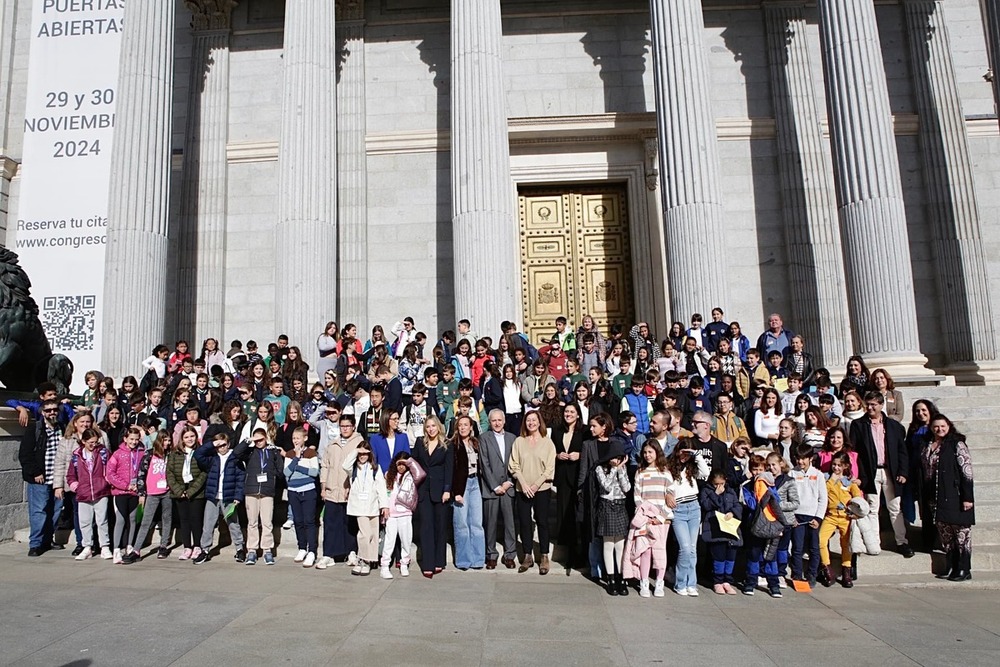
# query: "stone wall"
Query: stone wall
13,505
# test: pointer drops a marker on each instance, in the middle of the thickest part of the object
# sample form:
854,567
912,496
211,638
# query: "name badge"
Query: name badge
161,484
363,497
261,479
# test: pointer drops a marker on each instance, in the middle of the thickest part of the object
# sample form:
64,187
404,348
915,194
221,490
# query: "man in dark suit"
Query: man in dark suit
882,464
497,488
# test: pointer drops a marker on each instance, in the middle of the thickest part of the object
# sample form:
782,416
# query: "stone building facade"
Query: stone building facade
833,160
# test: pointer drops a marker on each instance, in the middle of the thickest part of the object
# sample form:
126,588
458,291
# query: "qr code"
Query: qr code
69,321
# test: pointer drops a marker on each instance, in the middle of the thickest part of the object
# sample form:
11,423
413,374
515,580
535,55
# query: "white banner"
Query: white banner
61,229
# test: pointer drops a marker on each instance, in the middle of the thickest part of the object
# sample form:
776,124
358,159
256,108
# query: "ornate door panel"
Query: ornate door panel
575,258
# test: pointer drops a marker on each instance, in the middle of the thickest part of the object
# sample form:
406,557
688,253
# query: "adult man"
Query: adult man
659,430
715,331
497,486
713,449
37,456
777,337
882,463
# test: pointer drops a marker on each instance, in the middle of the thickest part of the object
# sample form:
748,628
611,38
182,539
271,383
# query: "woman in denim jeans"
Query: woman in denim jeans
685,467
467,519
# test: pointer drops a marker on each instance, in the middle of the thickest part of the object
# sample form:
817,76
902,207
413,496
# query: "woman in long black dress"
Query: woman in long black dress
568,436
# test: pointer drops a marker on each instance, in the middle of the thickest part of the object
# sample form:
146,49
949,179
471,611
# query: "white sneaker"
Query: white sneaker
692,591
288,525
310,560
300,556
681,591
324,563
117,557
404,570
85,554
644,588
782,582
365,569
658,591
356,570
106,553
352,559
385,573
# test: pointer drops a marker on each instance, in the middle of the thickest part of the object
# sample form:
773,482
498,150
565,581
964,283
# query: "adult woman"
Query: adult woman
918,434
594,450
411,371
856,375
837,441
882,383
816,427
113,428
212,355
326,345
740,343
512,409
686,467
651,483
72,440
766,418
551,408
467,515
947,468
799,361
437,459
568,435
854,408
532,464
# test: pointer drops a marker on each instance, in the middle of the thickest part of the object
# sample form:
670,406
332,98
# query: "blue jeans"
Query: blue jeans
302,505
805,537
43,513
595,554
686,526
467,520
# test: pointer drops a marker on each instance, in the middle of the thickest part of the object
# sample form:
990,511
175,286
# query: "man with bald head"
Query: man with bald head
776,338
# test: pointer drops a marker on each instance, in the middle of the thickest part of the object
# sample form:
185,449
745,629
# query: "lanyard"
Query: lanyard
263,460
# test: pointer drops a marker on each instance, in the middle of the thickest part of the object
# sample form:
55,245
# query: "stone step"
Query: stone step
936,393
987,511
949,404
984,456
889,563
962,413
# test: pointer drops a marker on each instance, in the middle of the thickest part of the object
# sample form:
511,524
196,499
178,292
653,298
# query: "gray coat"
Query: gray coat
493,469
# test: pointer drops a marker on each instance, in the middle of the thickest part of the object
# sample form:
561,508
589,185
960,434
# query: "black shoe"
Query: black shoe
201,558
162,553
906,550
612,586
964,570
78,550
34,552
241,556
129,558
56,547
854,567
951,564
622,587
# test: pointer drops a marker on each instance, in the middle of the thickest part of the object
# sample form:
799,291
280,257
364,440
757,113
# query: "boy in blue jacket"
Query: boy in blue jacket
223,493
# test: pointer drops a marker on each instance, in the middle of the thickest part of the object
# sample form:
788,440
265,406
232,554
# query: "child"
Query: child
223,492
839,491
753,492
401,482
86,478
788,500
263,463
123,475
367,500
738,463
154,493
651,482
302,470
791,392
612,518
718,498
279,402
638,404
811,487
447,389
187,491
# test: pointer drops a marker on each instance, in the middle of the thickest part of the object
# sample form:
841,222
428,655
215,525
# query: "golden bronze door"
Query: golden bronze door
575,258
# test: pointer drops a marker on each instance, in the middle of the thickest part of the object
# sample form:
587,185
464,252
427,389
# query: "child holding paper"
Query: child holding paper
716,500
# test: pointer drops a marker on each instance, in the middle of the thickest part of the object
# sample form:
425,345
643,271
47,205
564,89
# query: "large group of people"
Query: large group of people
639,456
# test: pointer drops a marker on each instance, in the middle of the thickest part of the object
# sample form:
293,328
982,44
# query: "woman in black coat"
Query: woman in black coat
947,465
568,436
437,459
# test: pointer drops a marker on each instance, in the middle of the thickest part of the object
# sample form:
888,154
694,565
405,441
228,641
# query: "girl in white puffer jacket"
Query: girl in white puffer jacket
367,500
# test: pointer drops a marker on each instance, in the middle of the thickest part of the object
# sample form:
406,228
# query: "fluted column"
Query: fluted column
484,230
967,323
689,160
201,289
352,165
991,16
812,231
306,236
869,190
135,270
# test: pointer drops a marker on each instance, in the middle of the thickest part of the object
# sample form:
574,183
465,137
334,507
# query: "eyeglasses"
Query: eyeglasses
50,409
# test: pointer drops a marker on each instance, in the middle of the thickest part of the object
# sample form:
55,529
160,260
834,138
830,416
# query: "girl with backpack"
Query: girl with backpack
368,500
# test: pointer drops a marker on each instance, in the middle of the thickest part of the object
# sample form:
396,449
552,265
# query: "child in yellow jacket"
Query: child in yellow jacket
839,491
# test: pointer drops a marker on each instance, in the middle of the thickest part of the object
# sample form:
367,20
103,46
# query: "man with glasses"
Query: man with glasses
882,464
37,456
339,543
703,442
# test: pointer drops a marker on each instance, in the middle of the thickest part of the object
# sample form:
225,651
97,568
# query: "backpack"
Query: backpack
148,381
760,525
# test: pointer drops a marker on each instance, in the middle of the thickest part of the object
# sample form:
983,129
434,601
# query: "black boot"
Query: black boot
622,586
951,564
964,571
854,567
611,584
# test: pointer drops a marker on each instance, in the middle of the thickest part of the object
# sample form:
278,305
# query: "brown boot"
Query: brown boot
526,564
846,580
543,567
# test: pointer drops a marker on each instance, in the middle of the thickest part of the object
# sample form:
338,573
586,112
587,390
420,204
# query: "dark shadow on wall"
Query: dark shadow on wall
619,50
438,61
767,210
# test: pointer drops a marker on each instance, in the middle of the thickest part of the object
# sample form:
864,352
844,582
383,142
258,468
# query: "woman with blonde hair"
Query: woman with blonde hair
436,458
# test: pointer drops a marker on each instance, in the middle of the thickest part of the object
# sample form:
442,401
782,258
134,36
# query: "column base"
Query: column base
975,372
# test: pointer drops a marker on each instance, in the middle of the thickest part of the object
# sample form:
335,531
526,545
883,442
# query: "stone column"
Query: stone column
991,15
485,236
201,289
869,190
812,231
306,237
957,238
135,271
352,165
689,160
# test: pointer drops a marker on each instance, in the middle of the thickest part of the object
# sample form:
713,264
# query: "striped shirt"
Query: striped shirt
52,438
651,487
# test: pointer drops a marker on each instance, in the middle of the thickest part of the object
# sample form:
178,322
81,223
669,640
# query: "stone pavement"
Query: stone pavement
60,612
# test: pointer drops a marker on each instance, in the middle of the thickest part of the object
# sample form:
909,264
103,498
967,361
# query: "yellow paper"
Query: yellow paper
781,384
728,525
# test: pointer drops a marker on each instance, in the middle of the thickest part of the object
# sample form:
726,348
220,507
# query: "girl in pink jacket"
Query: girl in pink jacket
85,477
401,482
123,475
